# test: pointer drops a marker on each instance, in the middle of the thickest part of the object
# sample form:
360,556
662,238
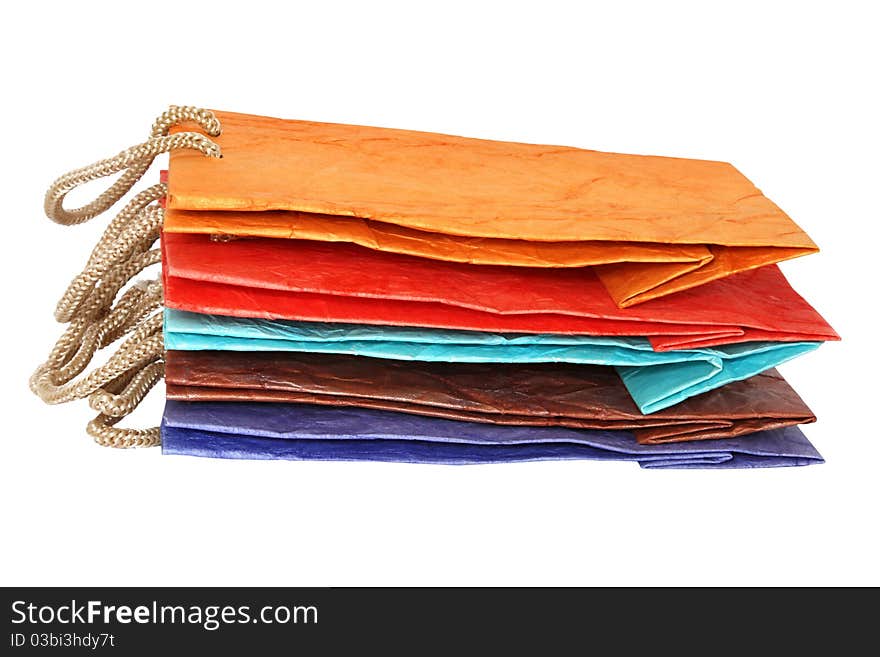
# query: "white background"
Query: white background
785,91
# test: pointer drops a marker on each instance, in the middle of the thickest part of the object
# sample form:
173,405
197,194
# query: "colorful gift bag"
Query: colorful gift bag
300,431
546,394
399,253
308,280
699,220
655,379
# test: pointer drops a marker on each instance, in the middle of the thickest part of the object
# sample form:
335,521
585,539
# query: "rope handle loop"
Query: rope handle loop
89,305
133,162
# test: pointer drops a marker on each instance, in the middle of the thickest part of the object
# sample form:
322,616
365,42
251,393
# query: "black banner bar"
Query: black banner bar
267,621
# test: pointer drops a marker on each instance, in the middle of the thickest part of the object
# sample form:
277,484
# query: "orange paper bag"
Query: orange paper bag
650,225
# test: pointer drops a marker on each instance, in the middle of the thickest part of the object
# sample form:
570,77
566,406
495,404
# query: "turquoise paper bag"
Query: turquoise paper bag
655,380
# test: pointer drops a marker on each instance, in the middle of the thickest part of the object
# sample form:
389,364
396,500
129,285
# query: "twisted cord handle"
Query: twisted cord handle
89,305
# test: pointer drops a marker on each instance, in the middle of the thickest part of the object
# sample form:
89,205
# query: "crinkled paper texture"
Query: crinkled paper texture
709,219
304,432
295,279
546,394
655,380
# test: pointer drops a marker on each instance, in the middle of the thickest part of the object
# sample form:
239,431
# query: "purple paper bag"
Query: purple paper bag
307,432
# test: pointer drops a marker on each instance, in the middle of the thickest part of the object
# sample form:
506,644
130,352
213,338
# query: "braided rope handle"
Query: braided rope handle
134,161
89,305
